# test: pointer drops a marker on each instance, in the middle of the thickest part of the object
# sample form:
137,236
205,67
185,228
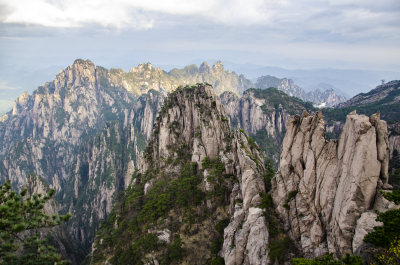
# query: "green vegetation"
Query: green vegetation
266,202
391,255
389,111
291,196
268,144
169,197
269,174
387,236
182,192
394,169
276,99
216,178
216,244
383,236
329,260
22,220
280,245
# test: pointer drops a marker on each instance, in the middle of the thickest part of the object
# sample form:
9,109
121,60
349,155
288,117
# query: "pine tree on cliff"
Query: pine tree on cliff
388,235
21,220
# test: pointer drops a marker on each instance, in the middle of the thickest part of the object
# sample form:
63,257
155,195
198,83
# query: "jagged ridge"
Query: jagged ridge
326,192
196,176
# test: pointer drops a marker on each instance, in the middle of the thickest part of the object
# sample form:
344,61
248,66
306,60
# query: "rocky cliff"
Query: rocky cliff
196,196
81,135
326,192
383,99
263,114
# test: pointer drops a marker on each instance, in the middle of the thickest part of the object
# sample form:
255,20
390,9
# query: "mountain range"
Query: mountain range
104,138
145,76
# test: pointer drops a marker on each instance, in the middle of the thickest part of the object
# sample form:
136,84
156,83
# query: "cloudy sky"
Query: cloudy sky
40,37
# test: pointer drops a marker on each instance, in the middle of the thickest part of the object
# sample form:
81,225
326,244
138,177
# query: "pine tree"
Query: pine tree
22,218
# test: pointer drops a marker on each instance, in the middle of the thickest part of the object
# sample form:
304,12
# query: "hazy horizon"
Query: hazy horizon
39,38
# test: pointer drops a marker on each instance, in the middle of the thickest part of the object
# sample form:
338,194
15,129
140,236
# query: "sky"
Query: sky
38,38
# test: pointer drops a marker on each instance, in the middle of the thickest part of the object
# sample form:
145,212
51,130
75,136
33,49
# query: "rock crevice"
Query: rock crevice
335,182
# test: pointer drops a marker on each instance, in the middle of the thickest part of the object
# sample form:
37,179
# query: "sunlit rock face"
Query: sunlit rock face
192,130
326,192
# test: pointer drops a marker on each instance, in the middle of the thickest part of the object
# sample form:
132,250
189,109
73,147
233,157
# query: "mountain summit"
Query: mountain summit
197,196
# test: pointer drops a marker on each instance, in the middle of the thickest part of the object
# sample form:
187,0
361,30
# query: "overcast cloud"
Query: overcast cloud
342,17
39,35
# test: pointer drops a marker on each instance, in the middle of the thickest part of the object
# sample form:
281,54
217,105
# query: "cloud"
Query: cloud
5,105
5,87
69,13
136,13
330,19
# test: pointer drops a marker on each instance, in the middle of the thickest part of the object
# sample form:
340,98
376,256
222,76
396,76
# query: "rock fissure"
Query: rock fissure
336,185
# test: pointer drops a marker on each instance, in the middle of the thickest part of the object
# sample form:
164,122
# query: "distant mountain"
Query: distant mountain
320,97
284,84
145,77
385,94
384,98
349,81
325,97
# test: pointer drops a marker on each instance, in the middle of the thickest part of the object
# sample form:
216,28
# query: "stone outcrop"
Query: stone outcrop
192,129
326,192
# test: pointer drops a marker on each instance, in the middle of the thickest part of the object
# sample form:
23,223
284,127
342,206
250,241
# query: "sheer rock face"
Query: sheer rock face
81,135
246,236
262,114
247,112
192,121
323,188
201,123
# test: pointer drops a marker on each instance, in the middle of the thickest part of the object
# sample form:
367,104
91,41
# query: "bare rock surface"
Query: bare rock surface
322,188
192,126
